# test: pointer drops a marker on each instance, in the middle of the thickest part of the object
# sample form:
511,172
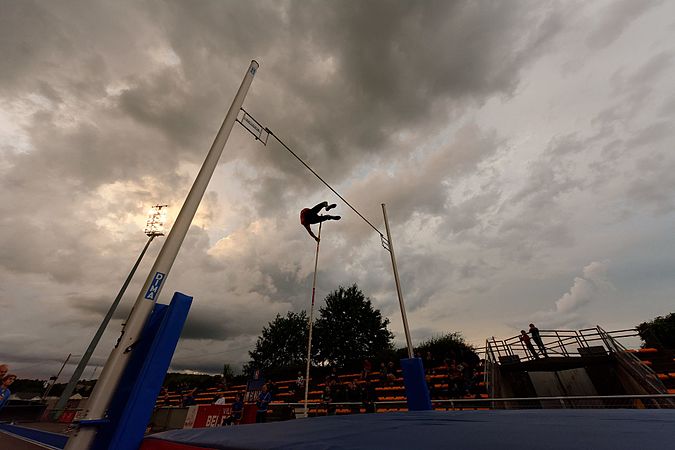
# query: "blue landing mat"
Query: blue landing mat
53,440
476,430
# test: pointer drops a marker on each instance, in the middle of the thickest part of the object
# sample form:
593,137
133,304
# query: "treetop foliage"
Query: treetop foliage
283,343
349,329
448,346
659,332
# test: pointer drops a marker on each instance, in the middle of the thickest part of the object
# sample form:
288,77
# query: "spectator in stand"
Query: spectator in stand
237,410
524,338
328,378
189,399
327,401
454,380
367,368
221,400
391,373
3,370
164,395
338,390
368,397
263,404
221,383
474,383
463,382
182,388
429,362
383,373
536,337
272,388
444,368
5,393
299,388
353,394
430,385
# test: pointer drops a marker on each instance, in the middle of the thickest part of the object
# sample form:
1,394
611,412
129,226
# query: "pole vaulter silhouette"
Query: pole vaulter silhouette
309,216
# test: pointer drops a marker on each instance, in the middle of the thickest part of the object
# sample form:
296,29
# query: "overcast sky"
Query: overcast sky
524,150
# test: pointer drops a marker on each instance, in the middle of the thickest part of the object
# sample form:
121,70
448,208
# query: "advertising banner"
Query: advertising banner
203,416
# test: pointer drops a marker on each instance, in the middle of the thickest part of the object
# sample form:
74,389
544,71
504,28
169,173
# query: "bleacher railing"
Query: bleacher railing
662,401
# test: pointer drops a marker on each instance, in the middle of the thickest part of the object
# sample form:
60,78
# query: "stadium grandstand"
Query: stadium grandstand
587,369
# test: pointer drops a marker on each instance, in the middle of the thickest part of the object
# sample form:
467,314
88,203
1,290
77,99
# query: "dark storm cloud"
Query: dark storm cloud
668,108
167,102
384,75
613,21
216,324
422,187
369,69
110,106
635,86
21,54
655,67
645,146
653,188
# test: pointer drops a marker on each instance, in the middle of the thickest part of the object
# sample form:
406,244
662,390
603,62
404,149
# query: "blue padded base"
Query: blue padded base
476,430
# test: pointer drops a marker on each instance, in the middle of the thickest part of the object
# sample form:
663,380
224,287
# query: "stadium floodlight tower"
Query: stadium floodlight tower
154,226
156,219
104,390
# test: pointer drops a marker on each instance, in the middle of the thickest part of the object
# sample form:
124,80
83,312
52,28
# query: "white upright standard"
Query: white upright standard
119,357
398,284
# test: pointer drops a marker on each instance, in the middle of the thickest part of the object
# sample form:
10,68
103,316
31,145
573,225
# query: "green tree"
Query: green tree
36,387
173,380
659,332
448,346
282,345
228,372
349,329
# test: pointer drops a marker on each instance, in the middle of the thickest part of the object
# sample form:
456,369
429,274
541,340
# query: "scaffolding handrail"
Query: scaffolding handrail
556,342
632,363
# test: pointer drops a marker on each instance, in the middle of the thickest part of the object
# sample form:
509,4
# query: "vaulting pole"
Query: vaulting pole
398,284
311,323
119,357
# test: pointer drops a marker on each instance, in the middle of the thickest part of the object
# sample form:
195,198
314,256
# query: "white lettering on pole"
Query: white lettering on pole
153,289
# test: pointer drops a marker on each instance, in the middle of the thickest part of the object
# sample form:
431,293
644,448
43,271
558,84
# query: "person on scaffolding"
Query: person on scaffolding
309,216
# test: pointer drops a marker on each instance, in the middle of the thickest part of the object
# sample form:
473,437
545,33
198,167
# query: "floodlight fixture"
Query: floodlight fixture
154,226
